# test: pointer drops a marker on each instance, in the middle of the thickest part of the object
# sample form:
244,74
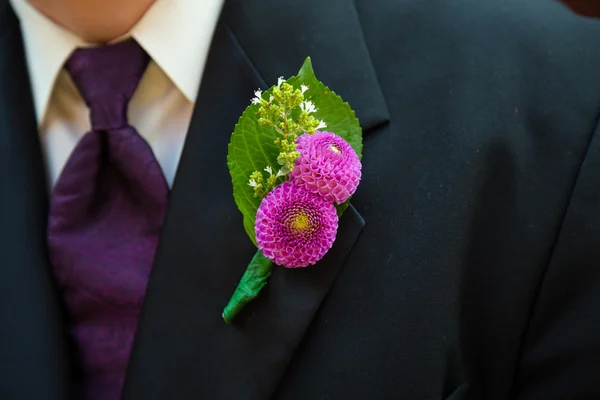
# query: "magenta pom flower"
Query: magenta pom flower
327,166
295,228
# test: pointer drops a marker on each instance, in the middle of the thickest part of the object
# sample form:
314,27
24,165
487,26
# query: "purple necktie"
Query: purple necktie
106,214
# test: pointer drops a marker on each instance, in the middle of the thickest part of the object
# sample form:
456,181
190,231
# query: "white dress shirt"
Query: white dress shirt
175,33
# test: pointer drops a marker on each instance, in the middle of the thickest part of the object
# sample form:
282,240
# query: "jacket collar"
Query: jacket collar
33,338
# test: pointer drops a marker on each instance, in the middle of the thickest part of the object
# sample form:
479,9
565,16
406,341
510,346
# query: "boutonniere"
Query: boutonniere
294,159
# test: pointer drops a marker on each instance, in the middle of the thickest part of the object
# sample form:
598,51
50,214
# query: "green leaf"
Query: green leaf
338,115
340,208
252,149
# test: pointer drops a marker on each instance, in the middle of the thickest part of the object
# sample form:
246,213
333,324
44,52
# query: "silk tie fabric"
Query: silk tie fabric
106,214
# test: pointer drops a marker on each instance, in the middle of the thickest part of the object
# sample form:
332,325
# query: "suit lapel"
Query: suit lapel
278,35
183,349
33,358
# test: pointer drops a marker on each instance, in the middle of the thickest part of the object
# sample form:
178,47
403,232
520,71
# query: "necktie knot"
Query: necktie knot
107,77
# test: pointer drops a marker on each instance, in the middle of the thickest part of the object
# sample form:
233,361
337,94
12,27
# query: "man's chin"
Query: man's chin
588,8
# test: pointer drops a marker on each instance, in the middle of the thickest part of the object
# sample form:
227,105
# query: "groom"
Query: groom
467,268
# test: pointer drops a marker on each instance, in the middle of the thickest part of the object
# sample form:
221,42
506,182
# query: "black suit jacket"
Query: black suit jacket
476,275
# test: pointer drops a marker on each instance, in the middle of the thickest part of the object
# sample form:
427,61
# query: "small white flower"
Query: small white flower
281,172
280,80
308,106
303,88
269,169
257,99
321,125
252,183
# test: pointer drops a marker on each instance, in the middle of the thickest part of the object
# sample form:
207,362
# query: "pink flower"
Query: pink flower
327,166
295,228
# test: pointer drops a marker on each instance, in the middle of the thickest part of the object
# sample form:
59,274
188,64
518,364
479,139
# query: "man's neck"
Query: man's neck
94,21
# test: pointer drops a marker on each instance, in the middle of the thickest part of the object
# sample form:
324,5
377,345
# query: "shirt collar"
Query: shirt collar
175,33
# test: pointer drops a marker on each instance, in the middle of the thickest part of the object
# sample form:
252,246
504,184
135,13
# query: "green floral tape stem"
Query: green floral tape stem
254,279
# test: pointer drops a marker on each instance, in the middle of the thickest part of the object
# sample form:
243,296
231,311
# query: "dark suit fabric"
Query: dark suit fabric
468,267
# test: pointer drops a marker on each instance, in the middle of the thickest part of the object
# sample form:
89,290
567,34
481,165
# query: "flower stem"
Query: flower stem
253,280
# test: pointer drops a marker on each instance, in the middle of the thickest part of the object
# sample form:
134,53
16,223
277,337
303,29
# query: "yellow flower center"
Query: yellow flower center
335,148
300,222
